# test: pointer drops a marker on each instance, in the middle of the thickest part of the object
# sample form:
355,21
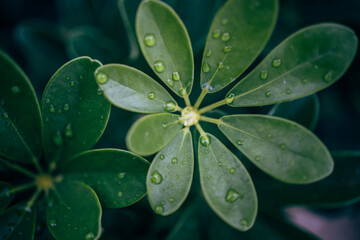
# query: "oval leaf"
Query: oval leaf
18,222
165,43
281,148
73,211
226,185
237,35
74,111
132,89
117,177
170,175
151,133
306,62
20,120
6,196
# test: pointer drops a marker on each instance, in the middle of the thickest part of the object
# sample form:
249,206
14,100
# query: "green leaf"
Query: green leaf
342,187
73,211
133,90
170,175
18,223
226,185
304,111
74,110
281,148
238,34
117,177
5,196
165,43
20,120
304,63
151,133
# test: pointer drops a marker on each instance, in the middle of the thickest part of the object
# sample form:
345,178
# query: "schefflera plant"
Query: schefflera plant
309,60
49,145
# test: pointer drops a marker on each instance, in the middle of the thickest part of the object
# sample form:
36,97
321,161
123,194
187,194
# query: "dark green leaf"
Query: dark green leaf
117,177
18,223
226,185
133,90
304,111
151,133
165,43
74,110
306,62
281,148
73,212
20,120
5,195
237,35
170,175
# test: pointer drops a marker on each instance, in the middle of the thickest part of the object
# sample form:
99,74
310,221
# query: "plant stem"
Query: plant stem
178,109
32,200
200,98
199,128
187,101
18,168
19,188
212,106
210,120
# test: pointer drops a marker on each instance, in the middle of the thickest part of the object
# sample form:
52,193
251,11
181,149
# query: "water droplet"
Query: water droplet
170,82
205,140
232,170
66,107
224,21
52,223
208,177
81,77
304,81
268,135
156,177
183,162
162,157
162,202
232,196
268,94
282,146
67,78
170,106
276,62
120,194
227,49
239,142
99,92
230,98
263,75
151,95
168,166
225,37
288,91
51,108
182,91
243,222
171,199
159,66
47,100
174,160
5,115
328,76
150,40
208,53
159,209
176,76
221,65
122,175
72,84
205,67
216,33
257,158
68,131
90,236
15,89
101,78
57,138
220,164
164,125
206,151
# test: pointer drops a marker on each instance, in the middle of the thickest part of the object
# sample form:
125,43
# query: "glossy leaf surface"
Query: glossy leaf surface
20,137
237,35
170,175
133,90
304,63
117,177
73,212
226,185
165,43
281,148
151,133
5,196
74,110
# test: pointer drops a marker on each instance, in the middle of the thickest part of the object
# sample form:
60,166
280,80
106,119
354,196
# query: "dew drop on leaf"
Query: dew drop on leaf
288,91
67,78
174,160
68,131
57,138
162,157
257,158
224,21
176,76
268,94
182,91
122,175
243,222
328,76
170,106
66,107
232,196
101,78
47,100
208,53
150,40
90,236
183,162
227,49
221,65
232,170
5,115
156,177
159,209
171,199
170,82
51,108
263,75
205,140
99,92
15,89
216,33
52,223
151,95
225,37
239,142
276,62
230,98
205,67
304,81
159,66
120,194
72,84
282,146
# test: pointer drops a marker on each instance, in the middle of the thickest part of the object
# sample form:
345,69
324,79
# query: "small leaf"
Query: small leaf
117,177
151,133
20,120
170,175
73,212
5,195
304,63
166,46
74,110
226,185
304,111
132,89
237,35
18,223
281,148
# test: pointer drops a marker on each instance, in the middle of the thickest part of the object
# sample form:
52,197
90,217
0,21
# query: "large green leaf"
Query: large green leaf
73,211
74,110
20,120
306,62
281,148
131,89
237,35
341,187
165,43
5,196
151,133
18,223
117,177
226,185
170,174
